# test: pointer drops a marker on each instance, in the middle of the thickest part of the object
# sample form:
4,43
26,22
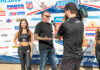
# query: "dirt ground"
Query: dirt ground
35,67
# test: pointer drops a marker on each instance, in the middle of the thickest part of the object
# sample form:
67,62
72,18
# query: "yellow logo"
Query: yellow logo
1,9
18,20
2,12
92,24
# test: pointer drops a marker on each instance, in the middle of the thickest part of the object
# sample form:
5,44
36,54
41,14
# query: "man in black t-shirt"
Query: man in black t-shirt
43,33
72,31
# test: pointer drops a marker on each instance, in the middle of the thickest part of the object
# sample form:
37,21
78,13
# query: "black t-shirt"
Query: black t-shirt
44,29
72,31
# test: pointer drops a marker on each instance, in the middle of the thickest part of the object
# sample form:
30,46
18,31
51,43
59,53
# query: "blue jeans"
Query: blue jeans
50,53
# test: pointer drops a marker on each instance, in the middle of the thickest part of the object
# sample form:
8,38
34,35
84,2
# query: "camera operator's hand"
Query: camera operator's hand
64,19
58,38
54,36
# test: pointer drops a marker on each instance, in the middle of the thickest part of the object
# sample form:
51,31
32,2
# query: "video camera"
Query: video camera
82,12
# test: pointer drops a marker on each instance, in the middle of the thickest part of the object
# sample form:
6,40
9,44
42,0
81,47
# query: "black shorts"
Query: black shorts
70,63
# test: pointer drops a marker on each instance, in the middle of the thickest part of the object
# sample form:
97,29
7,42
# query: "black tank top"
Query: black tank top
24,37
98,35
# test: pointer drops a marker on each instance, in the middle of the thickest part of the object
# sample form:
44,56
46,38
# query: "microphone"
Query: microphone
53,23
55,28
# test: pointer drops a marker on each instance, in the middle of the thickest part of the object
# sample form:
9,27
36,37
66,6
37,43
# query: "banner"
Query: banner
12,11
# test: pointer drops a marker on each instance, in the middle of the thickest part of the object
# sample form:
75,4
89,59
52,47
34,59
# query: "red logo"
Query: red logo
92,26
29,5
4,47
2,12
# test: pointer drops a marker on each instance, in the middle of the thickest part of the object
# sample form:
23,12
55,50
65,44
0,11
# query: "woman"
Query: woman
25,46
96,49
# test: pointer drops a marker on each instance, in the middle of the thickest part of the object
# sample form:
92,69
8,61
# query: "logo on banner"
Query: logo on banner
1,21
17,6
91,1
2,12
7,41
4,35
90,34
36,19
9,20
29,5
17,13
16,27
6,1
5,28
4,47
14,46
61,4
43,5
32,27
58,19
18,20
92,26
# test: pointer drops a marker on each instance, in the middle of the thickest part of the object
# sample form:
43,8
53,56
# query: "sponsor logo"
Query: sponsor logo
91,0
1,21
17,6
93,17
5,28
58,19
35,19
59,42
14,46
16,27
29,5
7,41
18,20
4,47
6,1
90,34
43,5
2,12
61,4
4,35
92,26
8,20
17,13
31,27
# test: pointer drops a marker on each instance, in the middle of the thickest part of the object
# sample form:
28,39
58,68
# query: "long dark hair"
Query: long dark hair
21,29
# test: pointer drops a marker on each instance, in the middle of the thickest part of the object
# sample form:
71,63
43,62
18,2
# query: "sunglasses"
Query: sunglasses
47,16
